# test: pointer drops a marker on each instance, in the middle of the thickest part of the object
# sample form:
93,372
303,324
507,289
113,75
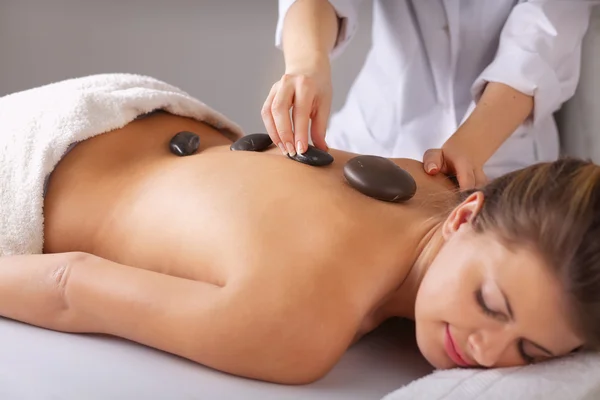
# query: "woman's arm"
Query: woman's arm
236,329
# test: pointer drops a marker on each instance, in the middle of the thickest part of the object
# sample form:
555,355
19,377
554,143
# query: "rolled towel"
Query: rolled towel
575,377
37,126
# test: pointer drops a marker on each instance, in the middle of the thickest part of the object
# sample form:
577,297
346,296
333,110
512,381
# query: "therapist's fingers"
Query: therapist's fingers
318,126
303,100
280,108
433,161
480,178
267,118
465,176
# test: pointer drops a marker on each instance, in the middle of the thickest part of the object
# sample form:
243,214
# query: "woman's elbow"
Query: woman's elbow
281,358
293,371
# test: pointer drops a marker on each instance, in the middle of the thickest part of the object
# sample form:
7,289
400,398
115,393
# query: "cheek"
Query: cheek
446,292
439,304
430,335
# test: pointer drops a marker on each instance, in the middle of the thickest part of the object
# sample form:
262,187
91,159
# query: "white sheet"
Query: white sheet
38,364
572,378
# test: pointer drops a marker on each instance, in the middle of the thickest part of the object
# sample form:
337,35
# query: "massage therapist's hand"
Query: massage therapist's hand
455,160
499,111
307,90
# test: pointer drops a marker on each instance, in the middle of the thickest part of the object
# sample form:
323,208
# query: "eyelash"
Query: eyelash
484,307
527,358
494,314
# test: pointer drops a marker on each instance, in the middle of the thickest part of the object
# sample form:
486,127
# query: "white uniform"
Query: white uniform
429,63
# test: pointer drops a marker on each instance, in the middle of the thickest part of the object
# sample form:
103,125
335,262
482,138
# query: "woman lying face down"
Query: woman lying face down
260,266
516,278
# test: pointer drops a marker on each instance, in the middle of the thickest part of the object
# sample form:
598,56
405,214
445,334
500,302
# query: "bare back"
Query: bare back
227,218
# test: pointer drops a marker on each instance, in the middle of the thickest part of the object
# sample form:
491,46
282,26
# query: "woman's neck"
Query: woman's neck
401,303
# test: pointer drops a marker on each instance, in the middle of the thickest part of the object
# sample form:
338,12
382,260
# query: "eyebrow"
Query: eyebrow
512,318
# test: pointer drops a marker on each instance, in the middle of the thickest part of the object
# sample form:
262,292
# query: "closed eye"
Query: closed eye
526,357
501,317
488,311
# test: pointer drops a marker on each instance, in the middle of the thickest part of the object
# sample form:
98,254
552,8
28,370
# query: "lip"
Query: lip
452,350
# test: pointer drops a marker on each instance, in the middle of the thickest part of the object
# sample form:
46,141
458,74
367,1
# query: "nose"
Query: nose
488,345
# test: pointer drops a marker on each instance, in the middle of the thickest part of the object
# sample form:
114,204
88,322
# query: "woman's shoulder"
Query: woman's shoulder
434,191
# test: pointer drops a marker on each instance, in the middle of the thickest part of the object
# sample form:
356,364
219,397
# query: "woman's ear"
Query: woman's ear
464,213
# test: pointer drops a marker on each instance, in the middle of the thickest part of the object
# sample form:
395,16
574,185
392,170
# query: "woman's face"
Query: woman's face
481,304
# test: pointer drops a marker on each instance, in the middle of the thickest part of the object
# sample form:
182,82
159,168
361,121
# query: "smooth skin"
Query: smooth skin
309,33
214,257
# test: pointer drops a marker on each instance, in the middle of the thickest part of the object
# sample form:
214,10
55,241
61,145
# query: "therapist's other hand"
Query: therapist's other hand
453,160
307,90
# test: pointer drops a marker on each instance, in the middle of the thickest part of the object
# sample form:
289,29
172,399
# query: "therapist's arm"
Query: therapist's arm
499,112
535,70
310,30
309,33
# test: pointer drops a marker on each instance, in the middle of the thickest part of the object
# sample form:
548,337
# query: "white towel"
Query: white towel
37,126
575,377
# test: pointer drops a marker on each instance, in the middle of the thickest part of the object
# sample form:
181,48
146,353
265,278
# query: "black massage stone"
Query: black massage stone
184,143
313,156
379,178
252,142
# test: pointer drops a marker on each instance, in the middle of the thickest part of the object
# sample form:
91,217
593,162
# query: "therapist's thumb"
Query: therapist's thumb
433,159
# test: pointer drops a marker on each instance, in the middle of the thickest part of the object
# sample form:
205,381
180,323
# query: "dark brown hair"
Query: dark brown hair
555,209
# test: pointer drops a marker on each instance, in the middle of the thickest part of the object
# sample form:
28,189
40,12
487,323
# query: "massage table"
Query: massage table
38,364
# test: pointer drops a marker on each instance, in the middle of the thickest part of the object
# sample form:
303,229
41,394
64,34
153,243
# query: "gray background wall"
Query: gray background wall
221,51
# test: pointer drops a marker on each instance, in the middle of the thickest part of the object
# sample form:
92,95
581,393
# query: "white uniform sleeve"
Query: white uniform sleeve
346,11
539,53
